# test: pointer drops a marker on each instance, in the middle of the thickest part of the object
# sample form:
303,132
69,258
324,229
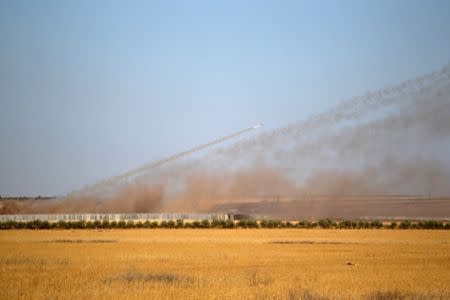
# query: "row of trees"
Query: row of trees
323,223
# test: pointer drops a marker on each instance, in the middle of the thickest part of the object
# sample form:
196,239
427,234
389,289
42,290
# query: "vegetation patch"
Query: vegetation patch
399,295
81,241
134,276
225,224
288,242
33,261
304,295
256,279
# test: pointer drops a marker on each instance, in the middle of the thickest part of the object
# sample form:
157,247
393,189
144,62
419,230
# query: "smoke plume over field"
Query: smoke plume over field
394,141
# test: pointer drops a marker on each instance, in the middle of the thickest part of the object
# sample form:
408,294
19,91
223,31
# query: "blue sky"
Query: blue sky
89,89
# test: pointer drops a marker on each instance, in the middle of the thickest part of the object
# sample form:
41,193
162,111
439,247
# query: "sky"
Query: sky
90,89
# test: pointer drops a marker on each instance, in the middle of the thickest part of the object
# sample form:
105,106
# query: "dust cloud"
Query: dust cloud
132,198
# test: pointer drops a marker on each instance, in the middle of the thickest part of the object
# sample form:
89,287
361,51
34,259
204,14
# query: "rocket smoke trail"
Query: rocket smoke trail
353,109
116,180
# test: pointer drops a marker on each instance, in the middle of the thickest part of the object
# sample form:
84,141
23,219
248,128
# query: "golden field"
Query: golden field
225,264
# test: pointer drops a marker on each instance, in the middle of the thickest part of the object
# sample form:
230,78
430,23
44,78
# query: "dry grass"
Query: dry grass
81,241
311,242
225,264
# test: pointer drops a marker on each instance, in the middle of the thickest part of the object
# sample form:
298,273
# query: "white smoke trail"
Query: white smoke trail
130,175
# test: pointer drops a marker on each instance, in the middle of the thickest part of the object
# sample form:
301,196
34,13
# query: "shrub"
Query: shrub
97,224
229,224
171,224
376,224
106,224
273,224
37,224
428,225
89,225
334,224
82,224
325,223
61,224
301,224
139,224
146,224
195,224
180,223
247,224
432,225
405,224
113,224
362,225
242,223
215,223
345,224
9,225
205,224
121,224
252,224
19,225
163,224
393,225
45,225
218,224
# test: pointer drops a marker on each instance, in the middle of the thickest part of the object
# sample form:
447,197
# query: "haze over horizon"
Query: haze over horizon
91,90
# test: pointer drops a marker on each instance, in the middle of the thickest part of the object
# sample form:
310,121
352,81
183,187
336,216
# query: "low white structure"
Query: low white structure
112,217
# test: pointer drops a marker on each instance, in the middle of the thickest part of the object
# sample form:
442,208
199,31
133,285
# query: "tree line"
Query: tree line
322,223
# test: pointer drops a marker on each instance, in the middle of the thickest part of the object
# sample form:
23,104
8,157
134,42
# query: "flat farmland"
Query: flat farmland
225,264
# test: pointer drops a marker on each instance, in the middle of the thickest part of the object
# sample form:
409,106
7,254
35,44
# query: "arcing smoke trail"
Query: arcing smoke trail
352,109
116,180
276,144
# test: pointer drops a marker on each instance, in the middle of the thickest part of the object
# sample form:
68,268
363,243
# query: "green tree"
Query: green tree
205,223
122,224
406,224
180,223
171,224
163,224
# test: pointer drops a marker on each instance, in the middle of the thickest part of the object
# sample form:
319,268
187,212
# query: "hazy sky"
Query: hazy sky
89,89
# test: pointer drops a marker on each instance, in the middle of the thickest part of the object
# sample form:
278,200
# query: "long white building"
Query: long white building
112,217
